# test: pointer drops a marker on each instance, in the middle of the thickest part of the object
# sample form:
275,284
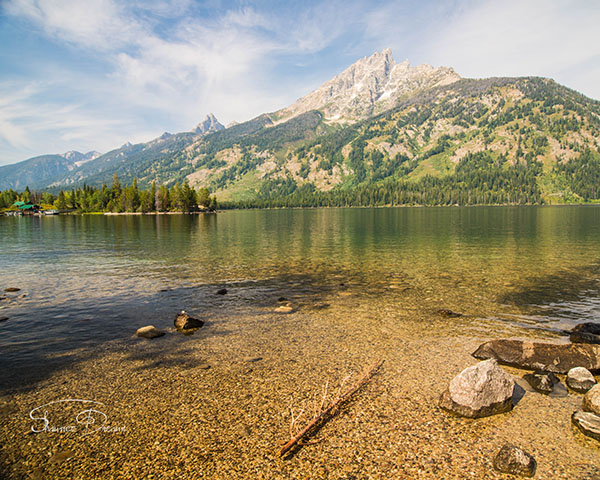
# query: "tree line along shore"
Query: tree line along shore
117,198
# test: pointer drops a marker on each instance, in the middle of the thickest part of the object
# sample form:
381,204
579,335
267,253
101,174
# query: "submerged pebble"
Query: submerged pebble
511,459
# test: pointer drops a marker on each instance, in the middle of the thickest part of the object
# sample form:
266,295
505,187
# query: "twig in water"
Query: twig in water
330,410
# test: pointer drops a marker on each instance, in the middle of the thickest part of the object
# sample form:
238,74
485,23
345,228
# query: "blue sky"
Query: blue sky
94,74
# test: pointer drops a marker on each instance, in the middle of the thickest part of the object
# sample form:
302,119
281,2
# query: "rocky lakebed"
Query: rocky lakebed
456,394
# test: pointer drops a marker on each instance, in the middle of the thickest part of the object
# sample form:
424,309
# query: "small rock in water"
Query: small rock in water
542,382
580,379
591,400
281,299
321,306
3,319
588,423
511,459
588,332
12,289
252,359
149,331
284,309
60,457
479,391
448,313
222,291
184,322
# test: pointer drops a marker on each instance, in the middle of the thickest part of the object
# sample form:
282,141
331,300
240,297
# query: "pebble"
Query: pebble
12,289
60,457
284,309
222,291
252,359
511,459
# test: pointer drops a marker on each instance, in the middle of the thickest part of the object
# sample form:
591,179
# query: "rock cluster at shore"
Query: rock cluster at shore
577,360
486,389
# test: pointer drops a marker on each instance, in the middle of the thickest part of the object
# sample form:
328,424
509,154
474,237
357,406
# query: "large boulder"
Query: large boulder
588,423
580,379
511,459
591,400
184,322
479,391
588,332
549,357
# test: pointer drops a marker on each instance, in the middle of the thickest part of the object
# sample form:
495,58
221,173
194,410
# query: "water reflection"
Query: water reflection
524,265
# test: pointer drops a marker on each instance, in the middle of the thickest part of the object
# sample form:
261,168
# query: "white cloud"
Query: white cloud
516,38
100,24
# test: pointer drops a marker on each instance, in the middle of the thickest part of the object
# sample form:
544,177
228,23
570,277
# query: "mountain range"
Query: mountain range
377,127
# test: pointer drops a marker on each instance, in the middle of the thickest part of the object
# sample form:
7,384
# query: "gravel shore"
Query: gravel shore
216,404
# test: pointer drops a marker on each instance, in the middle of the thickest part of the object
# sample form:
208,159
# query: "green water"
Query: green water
89,278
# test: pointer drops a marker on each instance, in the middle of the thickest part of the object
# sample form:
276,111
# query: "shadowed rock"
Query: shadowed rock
479,391
588,332
588,423
184,322
542,382
511,459
550,357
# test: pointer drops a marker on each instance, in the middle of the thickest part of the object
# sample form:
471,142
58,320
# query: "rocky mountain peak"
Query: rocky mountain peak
208,125
369,86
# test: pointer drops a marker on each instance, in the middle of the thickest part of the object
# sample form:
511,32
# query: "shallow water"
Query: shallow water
365,284
89,278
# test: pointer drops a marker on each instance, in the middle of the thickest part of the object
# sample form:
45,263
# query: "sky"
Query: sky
95,74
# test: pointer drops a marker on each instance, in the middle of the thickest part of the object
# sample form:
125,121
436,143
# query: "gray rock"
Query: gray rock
580,379
549,357
588,332
479,391
542,382
511,459
149,331
591,400
184,322
588,423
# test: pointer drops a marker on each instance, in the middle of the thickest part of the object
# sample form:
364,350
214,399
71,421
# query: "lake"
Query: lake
361,281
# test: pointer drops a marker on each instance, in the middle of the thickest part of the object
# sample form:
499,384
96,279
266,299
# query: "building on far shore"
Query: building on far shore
27,208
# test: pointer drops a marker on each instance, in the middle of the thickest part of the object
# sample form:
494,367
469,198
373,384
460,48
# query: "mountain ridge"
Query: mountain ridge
330,140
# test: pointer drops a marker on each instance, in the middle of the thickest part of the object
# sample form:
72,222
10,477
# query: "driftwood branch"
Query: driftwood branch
324,413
